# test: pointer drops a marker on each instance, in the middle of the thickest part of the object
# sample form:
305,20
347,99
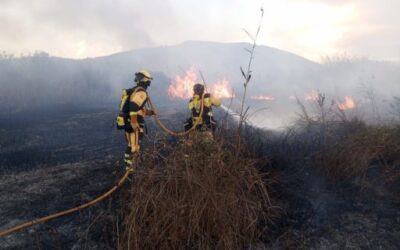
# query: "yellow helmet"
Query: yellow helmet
143,76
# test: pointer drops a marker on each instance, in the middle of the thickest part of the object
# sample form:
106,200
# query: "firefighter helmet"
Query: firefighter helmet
198,89
143,76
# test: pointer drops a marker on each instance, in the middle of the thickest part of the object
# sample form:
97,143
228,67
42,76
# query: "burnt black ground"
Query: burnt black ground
320,213
58,158
51,160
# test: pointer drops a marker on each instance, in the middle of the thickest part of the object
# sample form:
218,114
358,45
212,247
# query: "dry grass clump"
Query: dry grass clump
359,150
199,197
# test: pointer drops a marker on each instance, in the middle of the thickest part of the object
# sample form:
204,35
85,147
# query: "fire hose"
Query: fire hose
109,192
68,211
168,131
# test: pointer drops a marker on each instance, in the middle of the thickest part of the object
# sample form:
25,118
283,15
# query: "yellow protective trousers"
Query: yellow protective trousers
133,140
133,149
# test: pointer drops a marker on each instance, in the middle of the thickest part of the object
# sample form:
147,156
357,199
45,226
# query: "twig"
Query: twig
247,76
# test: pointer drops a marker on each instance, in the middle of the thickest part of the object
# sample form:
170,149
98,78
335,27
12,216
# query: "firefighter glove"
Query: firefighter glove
134,123
150,112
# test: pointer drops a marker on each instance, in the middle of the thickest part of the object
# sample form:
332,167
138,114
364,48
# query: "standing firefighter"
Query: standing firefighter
131,116
201,107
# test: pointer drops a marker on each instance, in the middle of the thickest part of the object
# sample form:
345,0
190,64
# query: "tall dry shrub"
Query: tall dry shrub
198,197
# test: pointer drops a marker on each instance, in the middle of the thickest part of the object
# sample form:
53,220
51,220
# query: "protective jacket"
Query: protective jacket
204,120
137,102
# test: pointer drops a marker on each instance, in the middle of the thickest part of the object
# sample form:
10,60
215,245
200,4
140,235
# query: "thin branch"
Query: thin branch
249,35
203,79
247,76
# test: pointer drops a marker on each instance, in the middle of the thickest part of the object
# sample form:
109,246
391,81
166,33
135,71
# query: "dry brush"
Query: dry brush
199,196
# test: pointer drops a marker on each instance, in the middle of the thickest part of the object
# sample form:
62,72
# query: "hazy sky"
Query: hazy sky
310,28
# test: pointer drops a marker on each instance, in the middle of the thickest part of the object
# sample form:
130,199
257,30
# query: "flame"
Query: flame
312,96
221,89
182,86
348,103
263,98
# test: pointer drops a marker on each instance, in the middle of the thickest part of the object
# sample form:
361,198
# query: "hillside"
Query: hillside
41,80
217,60
100,79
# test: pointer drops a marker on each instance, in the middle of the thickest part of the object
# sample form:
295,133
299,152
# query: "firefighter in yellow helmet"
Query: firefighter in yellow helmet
205,122
134,112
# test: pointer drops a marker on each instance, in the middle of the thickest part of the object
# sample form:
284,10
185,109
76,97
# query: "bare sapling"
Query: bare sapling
247,76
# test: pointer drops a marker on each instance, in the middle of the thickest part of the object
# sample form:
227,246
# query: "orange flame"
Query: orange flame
348,103
221,89
312,96
263,98
182,87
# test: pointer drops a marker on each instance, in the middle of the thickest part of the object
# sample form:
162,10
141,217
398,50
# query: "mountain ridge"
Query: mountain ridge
44,80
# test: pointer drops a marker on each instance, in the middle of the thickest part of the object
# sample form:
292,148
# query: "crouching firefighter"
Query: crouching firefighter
200,106
131,116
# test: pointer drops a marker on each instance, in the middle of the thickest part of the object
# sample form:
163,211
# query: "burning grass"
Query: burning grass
200,196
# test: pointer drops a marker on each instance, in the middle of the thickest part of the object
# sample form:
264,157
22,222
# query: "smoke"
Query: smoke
375,32
85,28
77,29
93,28
277,77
